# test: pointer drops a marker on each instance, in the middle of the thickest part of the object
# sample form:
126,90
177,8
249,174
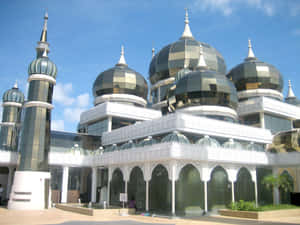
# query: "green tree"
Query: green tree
282,182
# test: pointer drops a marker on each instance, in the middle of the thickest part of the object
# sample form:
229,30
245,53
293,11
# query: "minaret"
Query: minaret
187,34
13,100
31,182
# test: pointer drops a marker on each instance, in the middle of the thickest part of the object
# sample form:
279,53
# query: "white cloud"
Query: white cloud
73,114
228,7
83,100
58,125
62,94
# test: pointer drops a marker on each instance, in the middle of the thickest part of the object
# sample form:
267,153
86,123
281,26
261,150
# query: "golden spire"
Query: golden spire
44,31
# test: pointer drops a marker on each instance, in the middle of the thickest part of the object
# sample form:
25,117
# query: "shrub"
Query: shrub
243,206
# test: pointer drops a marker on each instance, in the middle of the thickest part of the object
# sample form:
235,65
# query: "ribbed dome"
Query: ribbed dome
42,65
120,80
181,54
205,87
231,144
184,53
175,136
207,141
254,74
13,95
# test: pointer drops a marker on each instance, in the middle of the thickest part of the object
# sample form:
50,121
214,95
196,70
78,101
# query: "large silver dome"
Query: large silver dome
120,80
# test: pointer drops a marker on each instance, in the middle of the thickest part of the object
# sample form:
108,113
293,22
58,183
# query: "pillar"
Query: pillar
173,179
109,124
65,180
205,177
94,184
9,181
108,186
205,197
262,119
232,176
147,195
232,191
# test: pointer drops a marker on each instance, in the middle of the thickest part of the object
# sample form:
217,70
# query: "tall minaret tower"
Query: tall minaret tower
31,182
13,100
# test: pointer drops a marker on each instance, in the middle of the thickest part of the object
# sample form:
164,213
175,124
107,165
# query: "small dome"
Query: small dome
111,148
207,141
183,53
254,74
147,141
175,136
205,87
254,147
13,95
43,65
120,80
231,144
128,145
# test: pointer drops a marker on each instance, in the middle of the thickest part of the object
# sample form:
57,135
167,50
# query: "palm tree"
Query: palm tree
282,182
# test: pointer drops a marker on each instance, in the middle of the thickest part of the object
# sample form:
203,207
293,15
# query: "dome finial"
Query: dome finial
153,52
250,51
44,31
201,63
122,58
187,31
16,84
290,91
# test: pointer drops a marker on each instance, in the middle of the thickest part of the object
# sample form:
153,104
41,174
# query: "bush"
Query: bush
243,206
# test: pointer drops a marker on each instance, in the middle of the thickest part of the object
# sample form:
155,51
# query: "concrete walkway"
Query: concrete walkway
56,216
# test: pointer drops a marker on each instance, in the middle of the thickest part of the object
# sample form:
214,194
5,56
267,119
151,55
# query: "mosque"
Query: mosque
202,138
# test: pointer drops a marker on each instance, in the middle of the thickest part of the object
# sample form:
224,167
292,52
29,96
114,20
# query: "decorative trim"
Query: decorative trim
160,83
10,124
38,104
120,98
11,104
260,93
115,109
42,77
210,110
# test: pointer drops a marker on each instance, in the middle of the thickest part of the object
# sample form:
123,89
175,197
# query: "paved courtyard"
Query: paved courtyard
56,216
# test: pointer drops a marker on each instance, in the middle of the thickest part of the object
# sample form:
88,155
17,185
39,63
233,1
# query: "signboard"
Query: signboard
123,197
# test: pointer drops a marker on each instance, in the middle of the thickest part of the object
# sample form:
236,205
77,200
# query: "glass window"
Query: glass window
98,127
276,123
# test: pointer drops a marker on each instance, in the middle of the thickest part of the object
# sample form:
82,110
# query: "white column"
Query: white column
232,191
256,194
173,188
109,124
126,186
108,186
205,197
262,119
65,180
9,181
147,195
94,184
173,196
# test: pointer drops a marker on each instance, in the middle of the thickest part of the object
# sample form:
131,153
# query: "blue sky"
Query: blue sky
85,38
